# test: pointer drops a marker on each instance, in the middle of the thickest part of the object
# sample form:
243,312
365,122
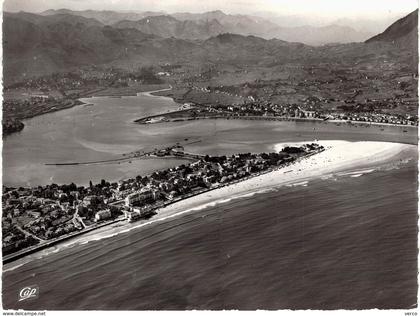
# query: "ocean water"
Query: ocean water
345,241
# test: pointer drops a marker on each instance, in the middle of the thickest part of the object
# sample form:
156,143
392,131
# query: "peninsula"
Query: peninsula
34,218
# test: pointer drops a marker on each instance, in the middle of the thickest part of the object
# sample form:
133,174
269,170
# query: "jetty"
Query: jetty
173,150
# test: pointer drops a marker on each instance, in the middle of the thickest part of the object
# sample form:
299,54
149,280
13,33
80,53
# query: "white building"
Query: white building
101,215
140,197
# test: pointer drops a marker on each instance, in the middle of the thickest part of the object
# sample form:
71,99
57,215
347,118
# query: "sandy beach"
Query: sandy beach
340,158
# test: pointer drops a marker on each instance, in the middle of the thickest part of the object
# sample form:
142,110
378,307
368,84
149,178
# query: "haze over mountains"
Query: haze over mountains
105,17
204,25
36,44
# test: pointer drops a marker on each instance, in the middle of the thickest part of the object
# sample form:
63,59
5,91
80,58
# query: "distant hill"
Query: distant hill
36,45
42,44
51,19
168,26
232,23
204,25
217,14
403,32
105,17
252,25
320,35
180,25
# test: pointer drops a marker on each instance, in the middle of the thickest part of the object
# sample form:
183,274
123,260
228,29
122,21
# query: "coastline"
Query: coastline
150,93
22,120
143,120
86,95
49,243
339,156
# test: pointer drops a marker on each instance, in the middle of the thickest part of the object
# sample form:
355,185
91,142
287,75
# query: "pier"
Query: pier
174,150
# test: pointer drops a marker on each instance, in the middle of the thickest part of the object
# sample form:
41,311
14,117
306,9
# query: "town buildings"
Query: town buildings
33,215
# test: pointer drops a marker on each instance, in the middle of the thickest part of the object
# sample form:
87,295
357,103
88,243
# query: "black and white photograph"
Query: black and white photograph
191,155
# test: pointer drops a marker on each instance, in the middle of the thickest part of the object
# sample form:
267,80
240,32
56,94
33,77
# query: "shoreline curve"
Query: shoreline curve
339,157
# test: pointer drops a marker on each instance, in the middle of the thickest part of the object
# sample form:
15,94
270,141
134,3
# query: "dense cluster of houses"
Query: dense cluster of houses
382,118
88,78
42,213
206,173
257,101
267,109
32,215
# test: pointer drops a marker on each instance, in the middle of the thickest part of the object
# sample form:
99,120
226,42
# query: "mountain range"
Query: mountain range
36,44
403,32
205,25
106,17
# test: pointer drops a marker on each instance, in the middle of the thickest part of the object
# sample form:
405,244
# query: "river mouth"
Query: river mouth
263,241
104,130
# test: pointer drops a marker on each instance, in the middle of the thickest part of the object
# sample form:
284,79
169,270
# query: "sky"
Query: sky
318,8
